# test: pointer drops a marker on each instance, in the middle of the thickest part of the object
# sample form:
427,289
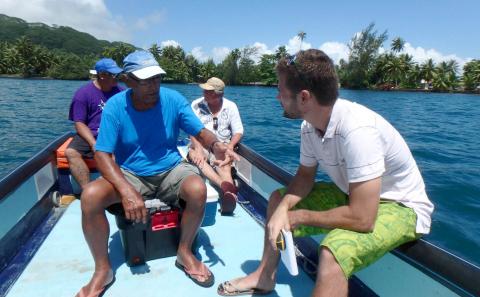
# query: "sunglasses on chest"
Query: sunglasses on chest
215,123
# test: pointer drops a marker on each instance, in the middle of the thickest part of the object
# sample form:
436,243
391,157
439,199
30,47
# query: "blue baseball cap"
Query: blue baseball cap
142,64
107,65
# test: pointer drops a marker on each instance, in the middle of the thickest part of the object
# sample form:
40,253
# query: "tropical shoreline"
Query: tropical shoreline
259,84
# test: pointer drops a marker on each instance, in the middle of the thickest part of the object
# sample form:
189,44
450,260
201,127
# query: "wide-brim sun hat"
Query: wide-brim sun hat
142,65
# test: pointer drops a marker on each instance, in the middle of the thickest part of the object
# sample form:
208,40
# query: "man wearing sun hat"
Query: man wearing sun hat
140,127
220,116
85,111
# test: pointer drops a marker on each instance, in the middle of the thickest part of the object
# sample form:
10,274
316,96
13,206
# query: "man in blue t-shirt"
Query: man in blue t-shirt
86,111
140,126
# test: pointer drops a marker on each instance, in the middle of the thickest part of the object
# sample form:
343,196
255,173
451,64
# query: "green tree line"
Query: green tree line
23,57
393,69
366,67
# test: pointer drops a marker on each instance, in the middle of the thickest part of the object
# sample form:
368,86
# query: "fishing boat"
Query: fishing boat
43,251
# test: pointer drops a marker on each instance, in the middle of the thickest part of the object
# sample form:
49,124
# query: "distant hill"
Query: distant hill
56,37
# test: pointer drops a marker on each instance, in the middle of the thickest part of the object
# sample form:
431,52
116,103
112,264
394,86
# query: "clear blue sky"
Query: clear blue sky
451,27
440,29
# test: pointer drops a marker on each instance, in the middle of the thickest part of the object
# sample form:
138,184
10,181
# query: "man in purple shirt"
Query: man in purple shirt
85,111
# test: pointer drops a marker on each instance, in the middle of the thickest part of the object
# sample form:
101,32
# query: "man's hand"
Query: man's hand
92,146
134,206
197,157
278,221
223,154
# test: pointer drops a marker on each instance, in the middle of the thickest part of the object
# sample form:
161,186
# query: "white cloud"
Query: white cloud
198,53
155,18
335,50
421,55
220,53
294,44
91,16
261,49
170,43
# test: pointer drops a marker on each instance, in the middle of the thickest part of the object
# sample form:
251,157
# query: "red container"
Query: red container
165,220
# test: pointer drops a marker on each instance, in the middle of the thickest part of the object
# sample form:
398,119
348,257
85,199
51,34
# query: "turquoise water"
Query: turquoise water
441,130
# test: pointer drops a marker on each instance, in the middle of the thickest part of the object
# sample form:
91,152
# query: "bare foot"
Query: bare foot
191,263
252,281
97,284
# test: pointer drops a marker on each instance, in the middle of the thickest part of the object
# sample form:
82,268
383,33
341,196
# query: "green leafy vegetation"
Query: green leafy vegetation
394,69
38,50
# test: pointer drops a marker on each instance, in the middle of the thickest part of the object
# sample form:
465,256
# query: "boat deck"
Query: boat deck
230,248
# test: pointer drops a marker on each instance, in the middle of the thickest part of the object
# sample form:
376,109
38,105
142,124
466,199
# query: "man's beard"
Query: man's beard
292,115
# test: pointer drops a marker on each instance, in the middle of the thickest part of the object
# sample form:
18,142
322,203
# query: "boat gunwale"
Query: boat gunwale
455,273
448,269
14,179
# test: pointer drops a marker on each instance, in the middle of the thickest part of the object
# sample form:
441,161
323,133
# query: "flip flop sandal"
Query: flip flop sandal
206,283
223,290
101,291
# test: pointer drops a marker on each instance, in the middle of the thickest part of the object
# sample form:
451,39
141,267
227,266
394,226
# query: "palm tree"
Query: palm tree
24,48
172,60
193,68
406,62
12,60
229,67
446,77
155,50
428,71
413,76
118,52
471,75
4,47
452,66
207,70
379,76
281,52
397,44
301,35
266,68
393,69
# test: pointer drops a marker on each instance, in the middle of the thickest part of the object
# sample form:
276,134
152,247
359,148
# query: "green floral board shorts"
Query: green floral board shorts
354,251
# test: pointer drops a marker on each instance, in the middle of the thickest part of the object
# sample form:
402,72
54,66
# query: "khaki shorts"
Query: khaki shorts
354,251
164,186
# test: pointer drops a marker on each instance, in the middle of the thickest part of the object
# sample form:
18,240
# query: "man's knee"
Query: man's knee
71,153
328,265
92,197
193,187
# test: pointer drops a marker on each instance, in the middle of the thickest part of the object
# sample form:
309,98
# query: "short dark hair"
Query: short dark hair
311,70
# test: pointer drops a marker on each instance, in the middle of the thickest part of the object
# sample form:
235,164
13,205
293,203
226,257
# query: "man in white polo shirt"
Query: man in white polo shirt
220,116
378,201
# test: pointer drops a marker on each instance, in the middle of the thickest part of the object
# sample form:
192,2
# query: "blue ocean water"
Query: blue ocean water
441,130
